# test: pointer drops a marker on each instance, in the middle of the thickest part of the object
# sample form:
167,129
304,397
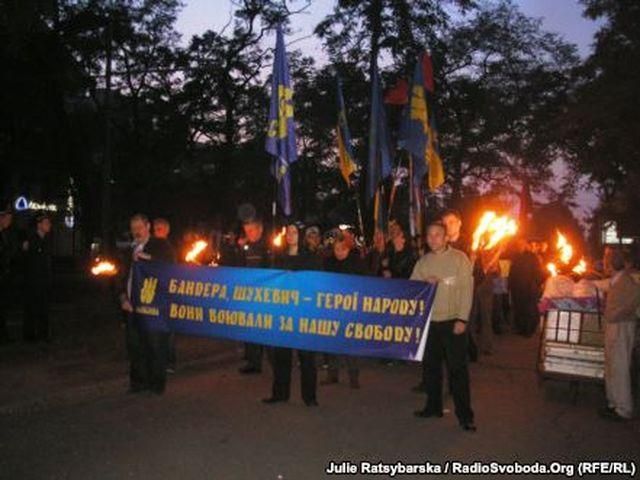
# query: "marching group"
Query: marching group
479,294
462,317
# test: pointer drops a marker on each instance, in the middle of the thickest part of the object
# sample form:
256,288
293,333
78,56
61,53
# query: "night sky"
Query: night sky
560,16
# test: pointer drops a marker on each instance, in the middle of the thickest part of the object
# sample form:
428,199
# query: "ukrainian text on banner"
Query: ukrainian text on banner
327,312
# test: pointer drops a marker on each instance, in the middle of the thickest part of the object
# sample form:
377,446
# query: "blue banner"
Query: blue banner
305,310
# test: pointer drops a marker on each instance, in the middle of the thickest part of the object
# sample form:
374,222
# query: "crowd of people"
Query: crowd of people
461,311
480,294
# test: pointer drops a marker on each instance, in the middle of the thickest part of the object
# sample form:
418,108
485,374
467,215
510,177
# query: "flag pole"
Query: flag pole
359,209
274,205
394,188
412,207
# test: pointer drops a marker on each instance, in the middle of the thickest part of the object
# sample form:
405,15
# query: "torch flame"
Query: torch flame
277,240
491,230
565,254
581,267
104,267
565,249
197,248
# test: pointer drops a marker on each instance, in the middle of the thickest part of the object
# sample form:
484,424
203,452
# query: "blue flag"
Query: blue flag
418,133
281,135
379,164
345,152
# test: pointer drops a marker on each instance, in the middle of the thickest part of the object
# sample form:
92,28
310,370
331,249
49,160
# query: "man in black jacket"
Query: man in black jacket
38,281
9,248
525,281
147,349
253,252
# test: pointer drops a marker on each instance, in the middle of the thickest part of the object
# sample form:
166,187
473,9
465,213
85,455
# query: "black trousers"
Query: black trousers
282,359
172,358
253,355
35,325
525,311
148,353
445,347
5,301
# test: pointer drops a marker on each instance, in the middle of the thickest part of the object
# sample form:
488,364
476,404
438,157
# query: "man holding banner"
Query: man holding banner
254,253
451,270
147,348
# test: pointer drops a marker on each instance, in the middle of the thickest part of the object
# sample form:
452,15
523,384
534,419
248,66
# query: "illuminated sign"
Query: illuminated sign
610,235
22,204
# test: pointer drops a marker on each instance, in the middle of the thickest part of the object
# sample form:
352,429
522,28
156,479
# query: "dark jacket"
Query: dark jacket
9,250
401,263
526,275
159,249
252,255
353,264
38,253
305,260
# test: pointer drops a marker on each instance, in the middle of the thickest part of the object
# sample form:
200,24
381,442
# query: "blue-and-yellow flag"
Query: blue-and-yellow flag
379,161
345,152
419,134
281,135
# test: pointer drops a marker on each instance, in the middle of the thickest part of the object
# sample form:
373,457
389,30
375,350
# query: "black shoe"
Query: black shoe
311,403
157,389
468,426
329,381
611,414
420,388
272,400
133,389
424,413
249,370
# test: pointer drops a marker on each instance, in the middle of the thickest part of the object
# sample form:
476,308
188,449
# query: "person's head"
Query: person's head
349,236
437,236
6,218
394,228
452,220
312,238
399,240
520,245
619,260
379,240
543,247
341,247
161,228
253,230
43,224
140,227
291,236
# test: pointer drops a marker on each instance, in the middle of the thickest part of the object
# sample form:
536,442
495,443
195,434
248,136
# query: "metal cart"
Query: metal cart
572,341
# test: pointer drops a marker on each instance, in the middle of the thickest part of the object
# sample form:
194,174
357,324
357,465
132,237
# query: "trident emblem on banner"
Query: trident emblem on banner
148,291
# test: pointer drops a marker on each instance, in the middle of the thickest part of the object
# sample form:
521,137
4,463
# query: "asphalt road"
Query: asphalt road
210,424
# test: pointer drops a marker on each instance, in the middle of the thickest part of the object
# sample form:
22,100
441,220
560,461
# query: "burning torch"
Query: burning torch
103,268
